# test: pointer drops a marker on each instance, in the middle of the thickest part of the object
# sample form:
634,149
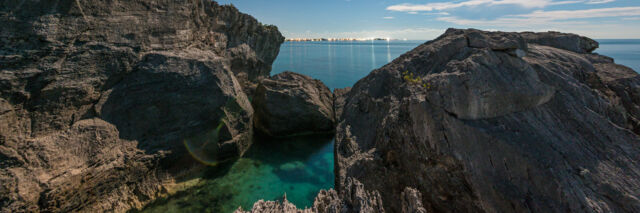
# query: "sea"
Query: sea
300,167
341,64
623,51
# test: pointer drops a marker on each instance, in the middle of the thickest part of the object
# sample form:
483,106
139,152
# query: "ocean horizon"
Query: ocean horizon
340,64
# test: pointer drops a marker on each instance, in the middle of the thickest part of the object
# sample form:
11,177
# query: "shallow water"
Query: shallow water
299,167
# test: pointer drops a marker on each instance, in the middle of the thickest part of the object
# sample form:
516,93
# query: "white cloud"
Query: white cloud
500,22
575,21
581,14
541,17
388,17
406,7
438,13
599,1
469,3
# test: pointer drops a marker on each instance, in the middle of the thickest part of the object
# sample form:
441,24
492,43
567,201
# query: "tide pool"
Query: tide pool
299,167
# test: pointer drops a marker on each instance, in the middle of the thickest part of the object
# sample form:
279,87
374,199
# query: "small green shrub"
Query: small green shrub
409,78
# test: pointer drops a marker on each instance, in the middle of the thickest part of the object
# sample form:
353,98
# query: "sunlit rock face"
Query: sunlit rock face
98,98
495,122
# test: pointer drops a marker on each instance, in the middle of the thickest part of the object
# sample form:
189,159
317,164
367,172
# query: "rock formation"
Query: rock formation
496,122
354,198
477,121
339,96
291,104
97,97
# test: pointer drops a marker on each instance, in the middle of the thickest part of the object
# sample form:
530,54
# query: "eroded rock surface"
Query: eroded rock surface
97,97
412,201
353,198
339,98
495,122
566,41
291,104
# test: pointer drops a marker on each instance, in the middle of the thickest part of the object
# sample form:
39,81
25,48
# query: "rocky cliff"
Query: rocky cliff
477,121
496,122
97,97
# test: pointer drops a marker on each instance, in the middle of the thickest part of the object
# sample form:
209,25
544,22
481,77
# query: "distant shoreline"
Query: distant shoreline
339,39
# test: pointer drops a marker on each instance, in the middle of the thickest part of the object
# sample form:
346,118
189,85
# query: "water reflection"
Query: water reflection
351,55
292,61
388,52
330,59
373,56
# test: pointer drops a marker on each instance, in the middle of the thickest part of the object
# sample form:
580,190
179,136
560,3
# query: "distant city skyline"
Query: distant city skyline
423,20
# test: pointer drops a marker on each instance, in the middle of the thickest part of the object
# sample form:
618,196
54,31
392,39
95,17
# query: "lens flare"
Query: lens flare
204,148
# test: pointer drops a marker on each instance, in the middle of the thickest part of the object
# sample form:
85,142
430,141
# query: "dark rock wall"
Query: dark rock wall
97,96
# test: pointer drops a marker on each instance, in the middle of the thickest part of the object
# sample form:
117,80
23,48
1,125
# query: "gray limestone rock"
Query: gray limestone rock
412,201
97,97
339,96
291,104
353,198
566,41
473,128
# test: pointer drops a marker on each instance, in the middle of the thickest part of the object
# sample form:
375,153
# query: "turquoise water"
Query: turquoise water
302,166
299,167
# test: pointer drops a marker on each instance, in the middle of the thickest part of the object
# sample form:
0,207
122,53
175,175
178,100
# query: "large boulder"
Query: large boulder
99,98
481,121
293,104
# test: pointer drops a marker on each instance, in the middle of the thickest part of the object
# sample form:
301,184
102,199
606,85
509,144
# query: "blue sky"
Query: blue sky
426,19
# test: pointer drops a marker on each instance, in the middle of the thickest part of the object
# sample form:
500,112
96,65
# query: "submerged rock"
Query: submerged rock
473,127
292,166
292,104
97,97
